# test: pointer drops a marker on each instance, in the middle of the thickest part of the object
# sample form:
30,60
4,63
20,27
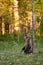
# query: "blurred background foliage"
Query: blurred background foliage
19,14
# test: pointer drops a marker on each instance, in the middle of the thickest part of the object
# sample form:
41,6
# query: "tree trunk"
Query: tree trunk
32,25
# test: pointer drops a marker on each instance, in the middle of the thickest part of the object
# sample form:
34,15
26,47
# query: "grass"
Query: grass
10,54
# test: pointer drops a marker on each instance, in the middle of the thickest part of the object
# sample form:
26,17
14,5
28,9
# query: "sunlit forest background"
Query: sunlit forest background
16,18
15,23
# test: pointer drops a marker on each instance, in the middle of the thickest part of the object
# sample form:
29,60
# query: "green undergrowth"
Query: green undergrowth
10,54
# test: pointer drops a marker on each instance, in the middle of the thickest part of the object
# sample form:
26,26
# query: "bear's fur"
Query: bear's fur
28,46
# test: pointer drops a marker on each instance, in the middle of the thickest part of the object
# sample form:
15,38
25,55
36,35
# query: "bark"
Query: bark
32,25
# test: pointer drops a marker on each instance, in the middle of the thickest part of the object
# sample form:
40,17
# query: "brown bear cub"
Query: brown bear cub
28,46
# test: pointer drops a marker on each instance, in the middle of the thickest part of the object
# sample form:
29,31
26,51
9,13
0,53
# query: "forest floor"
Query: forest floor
10,54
